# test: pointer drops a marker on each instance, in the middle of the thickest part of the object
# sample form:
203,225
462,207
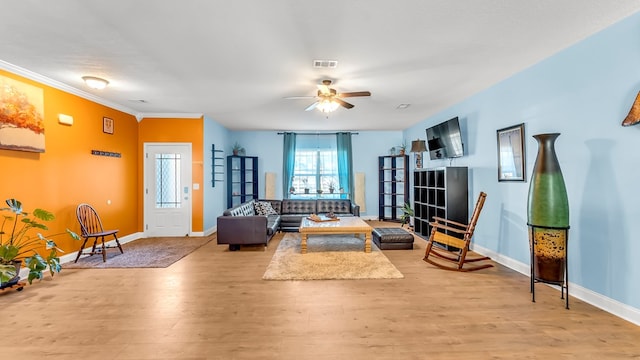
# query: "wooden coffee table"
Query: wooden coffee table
344,225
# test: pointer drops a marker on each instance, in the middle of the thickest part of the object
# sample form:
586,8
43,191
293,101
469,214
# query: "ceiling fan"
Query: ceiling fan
329,99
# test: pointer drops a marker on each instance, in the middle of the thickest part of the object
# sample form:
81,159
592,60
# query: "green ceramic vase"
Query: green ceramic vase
548,204
548,213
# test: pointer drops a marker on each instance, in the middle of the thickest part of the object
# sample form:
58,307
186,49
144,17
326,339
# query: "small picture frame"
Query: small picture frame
107,125
511,155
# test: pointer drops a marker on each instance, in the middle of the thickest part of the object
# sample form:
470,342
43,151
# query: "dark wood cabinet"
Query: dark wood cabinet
393,186
441,192
242,179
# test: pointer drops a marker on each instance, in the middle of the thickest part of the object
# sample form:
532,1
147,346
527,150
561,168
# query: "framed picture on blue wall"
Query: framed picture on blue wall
511,160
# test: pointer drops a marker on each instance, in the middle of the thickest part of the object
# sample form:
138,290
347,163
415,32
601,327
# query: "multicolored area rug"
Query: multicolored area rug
158,252
328,257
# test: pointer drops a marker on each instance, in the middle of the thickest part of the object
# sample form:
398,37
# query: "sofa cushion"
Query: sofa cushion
338,206
275,204
264,208
290,206
245,209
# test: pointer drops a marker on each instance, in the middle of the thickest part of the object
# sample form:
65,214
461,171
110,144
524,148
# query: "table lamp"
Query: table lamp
418,146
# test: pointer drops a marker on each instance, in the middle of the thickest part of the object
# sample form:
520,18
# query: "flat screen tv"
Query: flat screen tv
444,140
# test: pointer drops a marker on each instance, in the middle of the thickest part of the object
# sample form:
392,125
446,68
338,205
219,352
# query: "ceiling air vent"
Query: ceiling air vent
325,64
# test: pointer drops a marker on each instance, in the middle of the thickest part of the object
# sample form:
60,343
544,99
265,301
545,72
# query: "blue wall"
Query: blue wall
367,146
214,196
584,92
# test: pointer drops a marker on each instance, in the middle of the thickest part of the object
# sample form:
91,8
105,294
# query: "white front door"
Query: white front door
167,189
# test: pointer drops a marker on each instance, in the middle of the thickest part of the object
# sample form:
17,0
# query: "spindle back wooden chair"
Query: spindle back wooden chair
91,228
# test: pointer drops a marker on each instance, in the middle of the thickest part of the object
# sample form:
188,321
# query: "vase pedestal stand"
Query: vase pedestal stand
549,263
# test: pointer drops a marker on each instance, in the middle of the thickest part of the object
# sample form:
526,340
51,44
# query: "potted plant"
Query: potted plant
407,213
237,149
305,182
330,184
402,148
20,243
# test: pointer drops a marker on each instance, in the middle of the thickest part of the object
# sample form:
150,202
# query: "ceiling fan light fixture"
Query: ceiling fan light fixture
327,106
95,82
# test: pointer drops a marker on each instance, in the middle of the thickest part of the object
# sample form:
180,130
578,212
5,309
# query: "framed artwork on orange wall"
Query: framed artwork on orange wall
107,125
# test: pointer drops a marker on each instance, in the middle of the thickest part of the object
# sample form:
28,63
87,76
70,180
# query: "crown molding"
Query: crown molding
64,87
85,95
169,115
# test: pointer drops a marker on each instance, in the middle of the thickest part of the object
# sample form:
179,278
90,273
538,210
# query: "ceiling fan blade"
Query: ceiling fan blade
343,103
355,93
298,97
312,106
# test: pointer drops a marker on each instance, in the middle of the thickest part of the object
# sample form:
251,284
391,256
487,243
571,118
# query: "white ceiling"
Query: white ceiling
236,61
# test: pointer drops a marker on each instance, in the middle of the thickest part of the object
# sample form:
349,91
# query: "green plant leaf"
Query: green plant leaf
73,235
54,265
7,272
36,264
43,215
8,252
15,206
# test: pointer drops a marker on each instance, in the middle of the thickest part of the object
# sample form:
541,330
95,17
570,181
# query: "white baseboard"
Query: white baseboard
210,231
607,304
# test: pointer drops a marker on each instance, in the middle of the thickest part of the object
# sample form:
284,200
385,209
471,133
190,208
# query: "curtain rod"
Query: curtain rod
333,133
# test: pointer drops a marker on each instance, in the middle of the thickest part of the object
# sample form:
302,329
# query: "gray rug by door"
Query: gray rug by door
158,252
328,257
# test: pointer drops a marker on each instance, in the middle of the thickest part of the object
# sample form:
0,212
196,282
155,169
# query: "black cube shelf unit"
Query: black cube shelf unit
441,192
393,186
242,179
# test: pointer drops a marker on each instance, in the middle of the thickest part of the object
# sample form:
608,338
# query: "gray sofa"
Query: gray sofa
243,225
240,225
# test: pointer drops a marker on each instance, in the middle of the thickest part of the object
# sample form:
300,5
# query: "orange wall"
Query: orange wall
66,174
175,130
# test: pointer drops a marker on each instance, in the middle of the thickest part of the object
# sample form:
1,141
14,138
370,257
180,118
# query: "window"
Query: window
316,165
168,181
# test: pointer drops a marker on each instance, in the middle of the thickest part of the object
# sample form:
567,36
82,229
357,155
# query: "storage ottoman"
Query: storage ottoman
392,239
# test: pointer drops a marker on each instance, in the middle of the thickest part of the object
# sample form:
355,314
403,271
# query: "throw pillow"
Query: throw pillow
264,208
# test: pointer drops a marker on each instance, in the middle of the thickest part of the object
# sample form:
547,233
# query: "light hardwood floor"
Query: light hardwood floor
213,304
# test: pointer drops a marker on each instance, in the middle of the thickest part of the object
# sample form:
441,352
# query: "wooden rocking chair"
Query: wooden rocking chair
442,231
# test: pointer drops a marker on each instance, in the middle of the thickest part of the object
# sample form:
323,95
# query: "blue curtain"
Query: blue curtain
288,162
345,163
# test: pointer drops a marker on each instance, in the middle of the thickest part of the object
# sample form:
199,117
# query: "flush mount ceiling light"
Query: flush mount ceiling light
95,82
